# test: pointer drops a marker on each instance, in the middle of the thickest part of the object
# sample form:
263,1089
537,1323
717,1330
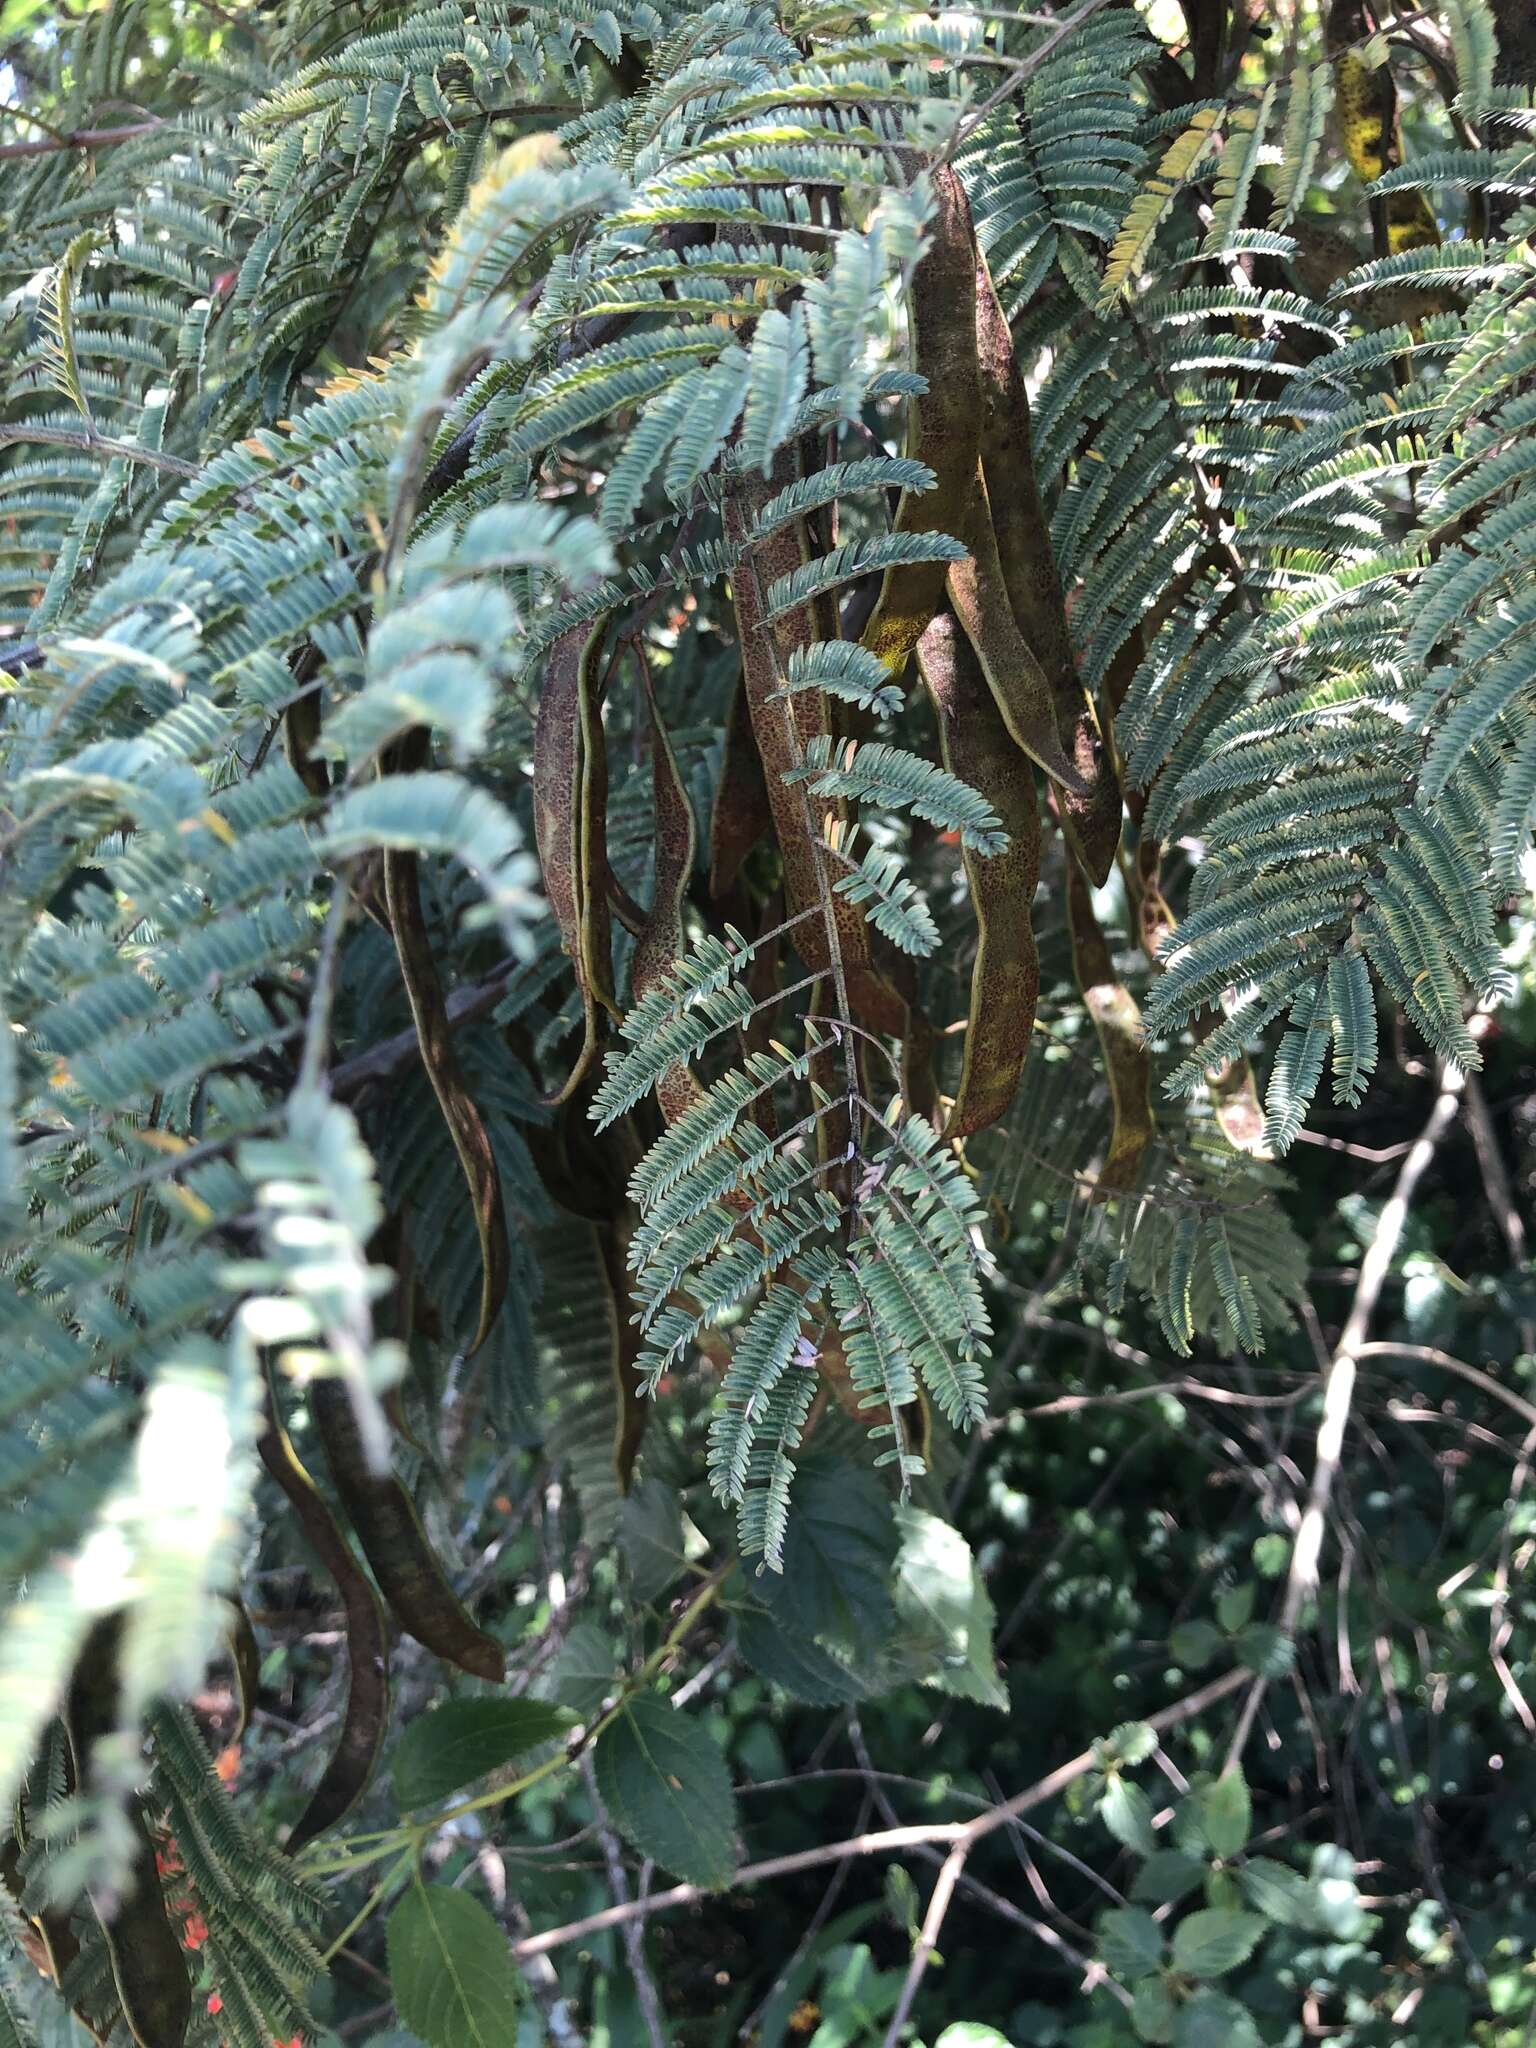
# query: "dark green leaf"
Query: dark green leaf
1153,2010
838,1556
804,1669
585,1672
450,1972
1131,1942
1215,1940
1167,1876
1127,1812
1268,1651
1212,2020
667,1787
460,1742
651,1537
1194,1643
1234,1607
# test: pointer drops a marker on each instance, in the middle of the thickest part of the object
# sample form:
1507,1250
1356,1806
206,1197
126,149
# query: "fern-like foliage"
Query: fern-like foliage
561,571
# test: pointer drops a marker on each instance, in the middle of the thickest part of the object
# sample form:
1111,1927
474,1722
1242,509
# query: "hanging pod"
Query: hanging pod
148,1970
365,1717
570,822
1005,979
434,1035
401,1559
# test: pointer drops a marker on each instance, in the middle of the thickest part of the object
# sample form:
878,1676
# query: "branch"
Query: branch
382,1062
77,138
1339,1378
24,435
1427,1354
883,1841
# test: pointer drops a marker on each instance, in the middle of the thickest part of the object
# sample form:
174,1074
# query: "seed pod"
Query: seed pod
1117,1020
781,727
946,423
1034,590
979,594
366,1716
660,939
1005,980
570,822
147,1967
1366,99
384,1516
466,1126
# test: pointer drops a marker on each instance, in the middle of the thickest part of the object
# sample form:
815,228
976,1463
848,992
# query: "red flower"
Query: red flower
215,2003
194,1931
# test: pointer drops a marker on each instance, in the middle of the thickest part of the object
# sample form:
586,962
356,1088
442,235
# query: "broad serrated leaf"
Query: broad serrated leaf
1166,1876
669,1792
1127,1812
837,1557
1215,1940
1194,1643
651,1538
460,1742
1279,1893
942,1600
1212,2020
1153,2010
451,1973
1131,1942
802,1667
1220,1813
1265,1649
585,1672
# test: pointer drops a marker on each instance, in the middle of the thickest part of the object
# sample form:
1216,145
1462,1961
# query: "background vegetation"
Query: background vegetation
768,1024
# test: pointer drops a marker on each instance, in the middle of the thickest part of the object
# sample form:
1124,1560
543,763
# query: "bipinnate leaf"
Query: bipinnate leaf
669,1792
453,1978
460,1742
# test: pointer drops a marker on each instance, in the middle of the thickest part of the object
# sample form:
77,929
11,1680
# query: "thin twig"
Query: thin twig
1339,1380
23,435
883,1841
75,138
646,1996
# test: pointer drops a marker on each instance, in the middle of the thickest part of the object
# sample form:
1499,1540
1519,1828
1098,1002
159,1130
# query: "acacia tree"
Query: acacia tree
715,715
